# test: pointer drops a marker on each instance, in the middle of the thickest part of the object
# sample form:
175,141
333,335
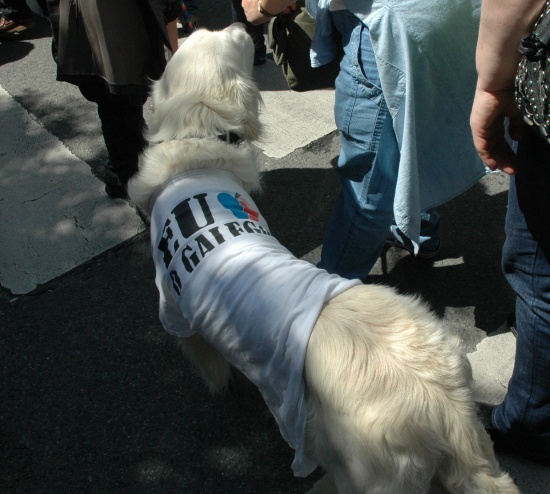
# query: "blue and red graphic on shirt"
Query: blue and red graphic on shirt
197,226
238,206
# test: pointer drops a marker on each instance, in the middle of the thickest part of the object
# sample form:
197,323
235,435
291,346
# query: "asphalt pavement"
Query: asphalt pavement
94,395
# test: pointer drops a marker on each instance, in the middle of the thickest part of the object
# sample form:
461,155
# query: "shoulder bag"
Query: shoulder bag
289,37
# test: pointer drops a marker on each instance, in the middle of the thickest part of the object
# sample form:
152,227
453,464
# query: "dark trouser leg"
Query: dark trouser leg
122,125
524,415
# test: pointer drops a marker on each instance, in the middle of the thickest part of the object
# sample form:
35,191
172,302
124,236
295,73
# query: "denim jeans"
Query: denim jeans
368,162
524,415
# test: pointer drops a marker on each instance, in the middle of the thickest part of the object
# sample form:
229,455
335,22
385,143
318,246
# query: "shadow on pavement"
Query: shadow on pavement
96,396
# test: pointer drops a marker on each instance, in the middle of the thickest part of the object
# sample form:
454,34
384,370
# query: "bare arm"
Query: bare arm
172,30
503,23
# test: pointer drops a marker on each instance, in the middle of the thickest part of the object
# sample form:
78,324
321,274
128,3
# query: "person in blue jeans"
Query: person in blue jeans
401,109
362,221
523,417
521,423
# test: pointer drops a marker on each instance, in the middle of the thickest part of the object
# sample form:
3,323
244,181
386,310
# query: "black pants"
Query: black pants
122,125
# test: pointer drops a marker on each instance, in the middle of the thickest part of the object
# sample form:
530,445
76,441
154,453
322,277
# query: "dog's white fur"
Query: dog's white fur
387,389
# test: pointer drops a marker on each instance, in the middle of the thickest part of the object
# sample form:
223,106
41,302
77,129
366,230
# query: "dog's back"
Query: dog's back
389,400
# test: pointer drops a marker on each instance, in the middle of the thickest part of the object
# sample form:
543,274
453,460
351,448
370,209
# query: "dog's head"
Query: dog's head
207,88
206,91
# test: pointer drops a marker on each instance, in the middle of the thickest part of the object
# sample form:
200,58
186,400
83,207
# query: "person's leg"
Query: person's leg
430,231
524,415
368,161
122,125
193,11
256,32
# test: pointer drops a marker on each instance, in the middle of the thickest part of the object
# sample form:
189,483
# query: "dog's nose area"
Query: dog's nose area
239,43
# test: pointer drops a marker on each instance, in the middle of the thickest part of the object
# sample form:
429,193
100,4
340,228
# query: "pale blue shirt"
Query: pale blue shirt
425,54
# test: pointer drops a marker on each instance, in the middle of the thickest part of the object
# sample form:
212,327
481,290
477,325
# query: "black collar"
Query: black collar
230,138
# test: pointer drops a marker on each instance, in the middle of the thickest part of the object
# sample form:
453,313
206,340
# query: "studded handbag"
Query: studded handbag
532,90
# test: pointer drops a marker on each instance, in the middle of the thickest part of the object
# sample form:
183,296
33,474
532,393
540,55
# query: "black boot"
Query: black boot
114,187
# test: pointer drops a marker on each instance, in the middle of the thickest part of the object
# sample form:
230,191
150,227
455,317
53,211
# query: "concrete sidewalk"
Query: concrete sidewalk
64,199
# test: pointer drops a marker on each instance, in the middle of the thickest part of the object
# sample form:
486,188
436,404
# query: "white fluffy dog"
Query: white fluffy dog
360,379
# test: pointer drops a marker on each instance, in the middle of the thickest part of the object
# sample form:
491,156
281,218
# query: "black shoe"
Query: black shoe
501,442
117,191
114,188
259,58
397,239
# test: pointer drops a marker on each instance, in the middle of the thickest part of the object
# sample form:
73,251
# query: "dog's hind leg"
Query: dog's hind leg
471,466
353,431
358,461
208,362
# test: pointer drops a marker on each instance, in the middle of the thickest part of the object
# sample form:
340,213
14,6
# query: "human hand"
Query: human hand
489,111
254,16
290,8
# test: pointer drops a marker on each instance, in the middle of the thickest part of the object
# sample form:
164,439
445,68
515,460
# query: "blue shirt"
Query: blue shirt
425,54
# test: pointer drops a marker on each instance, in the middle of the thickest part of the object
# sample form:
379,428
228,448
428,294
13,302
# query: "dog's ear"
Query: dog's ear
247,98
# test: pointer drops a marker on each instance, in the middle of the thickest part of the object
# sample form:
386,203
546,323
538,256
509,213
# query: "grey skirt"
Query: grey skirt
119,41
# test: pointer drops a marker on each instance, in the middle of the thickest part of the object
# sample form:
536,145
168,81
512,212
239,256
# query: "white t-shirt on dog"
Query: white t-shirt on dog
221,274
